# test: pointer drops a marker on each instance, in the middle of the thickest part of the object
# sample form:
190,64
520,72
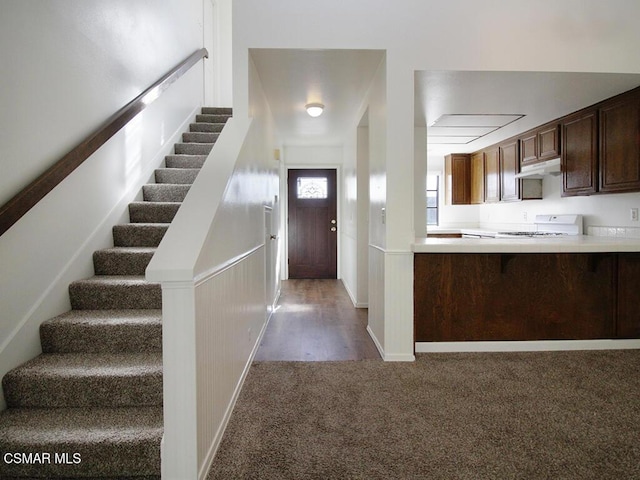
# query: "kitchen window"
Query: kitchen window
432,199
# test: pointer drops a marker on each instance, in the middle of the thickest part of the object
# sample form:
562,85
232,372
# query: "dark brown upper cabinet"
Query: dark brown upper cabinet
491,175
509,167
620,144
580,153
477,178
457,185
540,144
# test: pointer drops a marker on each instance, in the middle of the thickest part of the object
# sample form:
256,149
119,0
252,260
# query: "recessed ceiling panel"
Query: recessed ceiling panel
474,120
450,140
460,131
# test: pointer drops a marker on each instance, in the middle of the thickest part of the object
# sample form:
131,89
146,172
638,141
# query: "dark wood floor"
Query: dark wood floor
316,321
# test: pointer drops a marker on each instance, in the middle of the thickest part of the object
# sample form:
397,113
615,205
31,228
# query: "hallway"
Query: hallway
316,321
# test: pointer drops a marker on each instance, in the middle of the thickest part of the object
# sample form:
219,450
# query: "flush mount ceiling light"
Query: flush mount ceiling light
314,109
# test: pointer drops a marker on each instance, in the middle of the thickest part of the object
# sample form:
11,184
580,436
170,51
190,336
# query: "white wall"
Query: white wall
565,35
67,66
611,210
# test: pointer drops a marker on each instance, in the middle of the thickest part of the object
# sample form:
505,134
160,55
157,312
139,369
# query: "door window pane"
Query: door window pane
312,187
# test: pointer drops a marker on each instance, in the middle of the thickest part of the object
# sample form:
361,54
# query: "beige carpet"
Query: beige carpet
560,415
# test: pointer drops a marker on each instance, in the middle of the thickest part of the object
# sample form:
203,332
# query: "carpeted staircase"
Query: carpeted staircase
90,406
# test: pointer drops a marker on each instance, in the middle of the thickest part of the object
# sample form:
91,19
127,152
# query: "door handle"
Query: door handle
333,222
333,229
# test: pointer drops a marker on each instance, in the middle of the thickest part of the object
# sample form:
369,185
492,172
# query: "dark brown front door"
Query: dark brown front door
313,228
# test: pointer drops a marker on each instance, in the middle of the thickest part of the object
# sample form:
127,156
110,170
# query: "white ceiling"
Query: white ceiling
540,96
340,78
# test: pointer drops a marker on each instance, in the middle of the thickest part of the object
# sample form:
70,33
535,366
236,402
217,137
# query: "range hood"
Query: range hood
539,170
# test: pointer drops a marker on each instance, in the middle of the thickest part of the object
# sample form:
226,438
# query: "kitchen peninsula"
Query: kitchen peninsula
557,288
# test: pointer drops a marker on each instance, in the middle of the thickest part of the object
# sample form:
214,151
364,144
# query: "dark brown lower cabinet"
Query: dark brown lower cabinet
559,296
628,318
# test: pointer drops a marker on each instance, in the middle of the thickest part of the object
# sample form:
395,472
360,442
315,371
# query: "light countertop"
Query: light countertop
564,244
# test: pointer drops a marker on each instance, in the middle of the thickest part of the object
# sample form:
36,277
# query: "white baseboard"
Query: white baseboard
375,341
353,297
526,346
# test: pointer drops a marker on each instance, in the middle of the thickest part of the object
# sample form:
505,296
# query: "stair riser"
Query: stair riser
228,111
164,192
120,263
206,127
81,391
137,235
193,148
88,296
185,161
140,460
160,192
148,212
129,449
176,176
212,118
199,137
87,338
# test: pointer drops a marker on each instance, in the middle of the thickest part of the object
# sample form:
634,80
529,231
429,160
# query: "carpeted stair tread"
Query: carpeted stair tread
103,331
122,260
112,442
193,148
200,137
165,192
185,161
139,234
217,111
153,212
206,127
115,292
86,380
180,176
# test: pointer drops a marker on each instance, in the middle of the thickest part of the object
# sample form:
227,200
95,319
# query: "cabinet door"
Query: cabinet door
580,154
477,178
529,149
548,140
620,145
628,321
509,167
458,179
491,175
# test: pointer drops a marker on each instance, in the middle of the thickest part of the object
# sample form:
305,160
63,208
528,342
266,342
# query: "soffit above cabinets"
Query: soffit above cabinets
451,104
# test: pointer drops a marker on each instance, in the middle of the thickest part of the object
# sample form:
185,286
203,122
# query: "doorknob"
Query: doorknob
333,229
333,222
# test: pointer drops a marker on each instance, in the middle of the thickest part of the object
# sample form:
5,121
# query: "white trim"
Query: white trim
375,341
526,346
353,298
399,357
208,460
220,268
391,252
